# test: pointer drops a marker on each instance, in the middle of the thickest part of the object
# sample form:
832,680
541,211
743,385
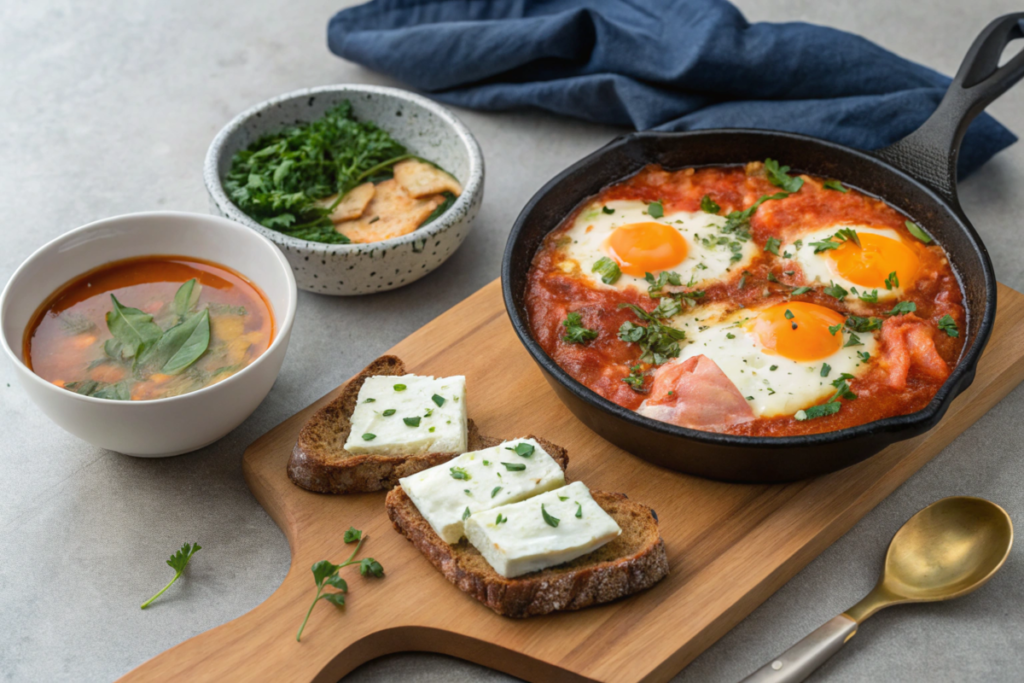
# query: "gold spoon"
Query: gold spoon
944,551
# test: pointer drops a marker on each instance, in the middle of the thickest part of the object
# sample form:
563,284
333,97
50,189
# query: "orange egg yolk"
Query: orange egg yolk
871,263
799,330
646,248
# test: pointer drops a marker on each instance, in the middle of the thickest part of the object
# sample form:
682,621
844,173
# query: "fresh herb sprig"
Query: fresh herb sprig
779,176
178,562
658,341
325,573
575,332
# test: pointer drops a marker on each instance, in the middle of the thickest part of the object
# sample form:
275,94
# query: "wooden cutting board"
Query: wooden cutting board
730,546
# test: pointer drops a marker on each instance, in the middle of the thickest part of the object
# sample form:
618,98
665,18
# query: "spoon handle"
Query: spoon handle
797,663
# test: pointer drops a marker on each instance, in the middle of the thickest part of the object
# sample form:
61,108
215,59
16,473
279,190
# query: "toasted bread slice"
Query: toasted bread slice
320,462
634,561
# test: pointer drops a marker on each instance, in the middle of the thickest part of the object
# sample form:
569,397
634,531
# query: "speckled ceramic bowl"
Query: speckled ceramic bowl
426,128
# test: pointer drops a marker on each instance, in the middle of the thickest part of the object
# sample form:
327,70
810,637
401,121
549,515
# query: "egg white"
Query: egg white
792,386
705,262
820,270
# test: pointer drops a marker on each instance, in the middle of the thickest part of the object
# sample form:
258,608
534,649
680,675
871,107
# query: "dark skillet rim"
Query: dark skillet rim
912,423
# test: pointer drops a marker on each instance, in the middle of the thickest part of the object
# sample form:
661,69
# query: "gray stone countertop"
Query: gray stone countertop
108,108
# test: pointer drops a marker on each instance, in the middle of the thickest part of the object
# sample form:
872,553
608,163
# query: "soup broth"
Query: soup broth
149,327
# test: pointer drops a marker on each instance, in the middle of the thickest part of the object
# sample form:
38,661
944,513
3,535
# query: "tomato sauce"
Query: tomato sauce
555,288
222,323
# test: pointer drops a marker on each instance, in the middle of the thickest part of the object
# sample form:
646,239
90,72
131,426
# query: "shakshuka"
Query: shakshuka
747,300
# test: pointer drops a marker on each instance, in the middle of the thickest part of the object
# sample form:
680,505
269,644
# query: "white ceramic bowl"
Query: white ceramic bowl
426,128
167,426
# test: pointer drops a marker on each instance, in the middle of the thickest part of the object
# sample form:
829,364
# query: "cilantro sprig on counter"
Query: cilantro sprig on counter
178,562
325,573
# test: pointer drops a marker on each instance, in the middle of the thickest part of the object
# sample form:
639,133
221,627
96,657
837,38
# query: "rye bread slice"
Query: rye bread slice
320,463
634,561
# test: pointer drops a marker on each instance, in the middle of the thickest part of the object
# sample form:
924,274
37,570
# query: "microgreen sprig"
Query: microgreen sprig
325,573
178,562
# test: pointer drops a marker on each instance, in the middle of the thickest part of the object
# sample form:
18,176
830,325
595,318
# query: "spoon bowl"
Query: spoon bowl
947,549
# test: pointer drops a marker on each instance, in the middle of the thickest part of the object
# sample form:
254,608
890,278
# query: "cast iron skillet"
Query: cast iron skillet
917,175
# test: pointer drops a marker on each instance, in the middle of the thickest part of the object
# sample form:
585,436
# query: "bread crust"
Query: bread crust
320,463
633,562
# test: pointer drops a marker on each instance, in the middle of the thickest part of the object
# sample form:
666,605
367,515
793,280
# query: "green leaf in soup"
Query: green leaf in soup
193,346
113,392
113,349
186,297
134,329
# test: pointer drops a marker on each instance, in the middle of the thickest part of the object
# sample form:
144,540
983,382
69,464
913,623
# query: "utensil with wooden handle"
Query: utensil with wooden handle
946,550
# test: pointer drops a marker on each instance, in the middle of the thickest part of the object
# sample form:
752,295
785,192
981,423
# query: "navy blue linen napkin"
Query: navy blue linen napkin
653,64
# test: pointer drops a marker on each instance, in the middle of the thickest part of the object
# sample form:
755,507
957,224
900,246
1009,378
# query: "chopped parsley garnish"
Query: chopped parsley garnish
500,520
411,421
551,521
835,291
825,369
824,245
892,281
635,380
772,246
854,340
738,222
369,437
800,290
948,325
847,234
389,412
871,298
608,269
370,400
655,209
524,450
774,368
708,205
789,314
514,466
832,329
467,513
864,356
438,400
834,185
730,335
494,491
579,510
832,406
575,332
656,284
605,209
467,492
772,278
779,176
917,232
658,342
400,387
903,307
858,324
459,473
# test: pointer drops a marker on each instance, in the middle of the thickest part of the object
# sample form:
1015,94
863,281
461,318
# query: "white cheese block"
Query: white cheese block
481,480
409,415
542,531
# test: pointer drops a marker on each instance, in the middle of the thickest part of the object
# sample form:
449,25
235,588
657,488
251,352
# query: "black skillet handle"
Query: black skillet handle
929,154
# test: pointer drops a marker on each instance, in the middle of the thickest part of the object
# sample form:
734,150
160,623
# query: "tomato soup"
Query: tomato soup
148,327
